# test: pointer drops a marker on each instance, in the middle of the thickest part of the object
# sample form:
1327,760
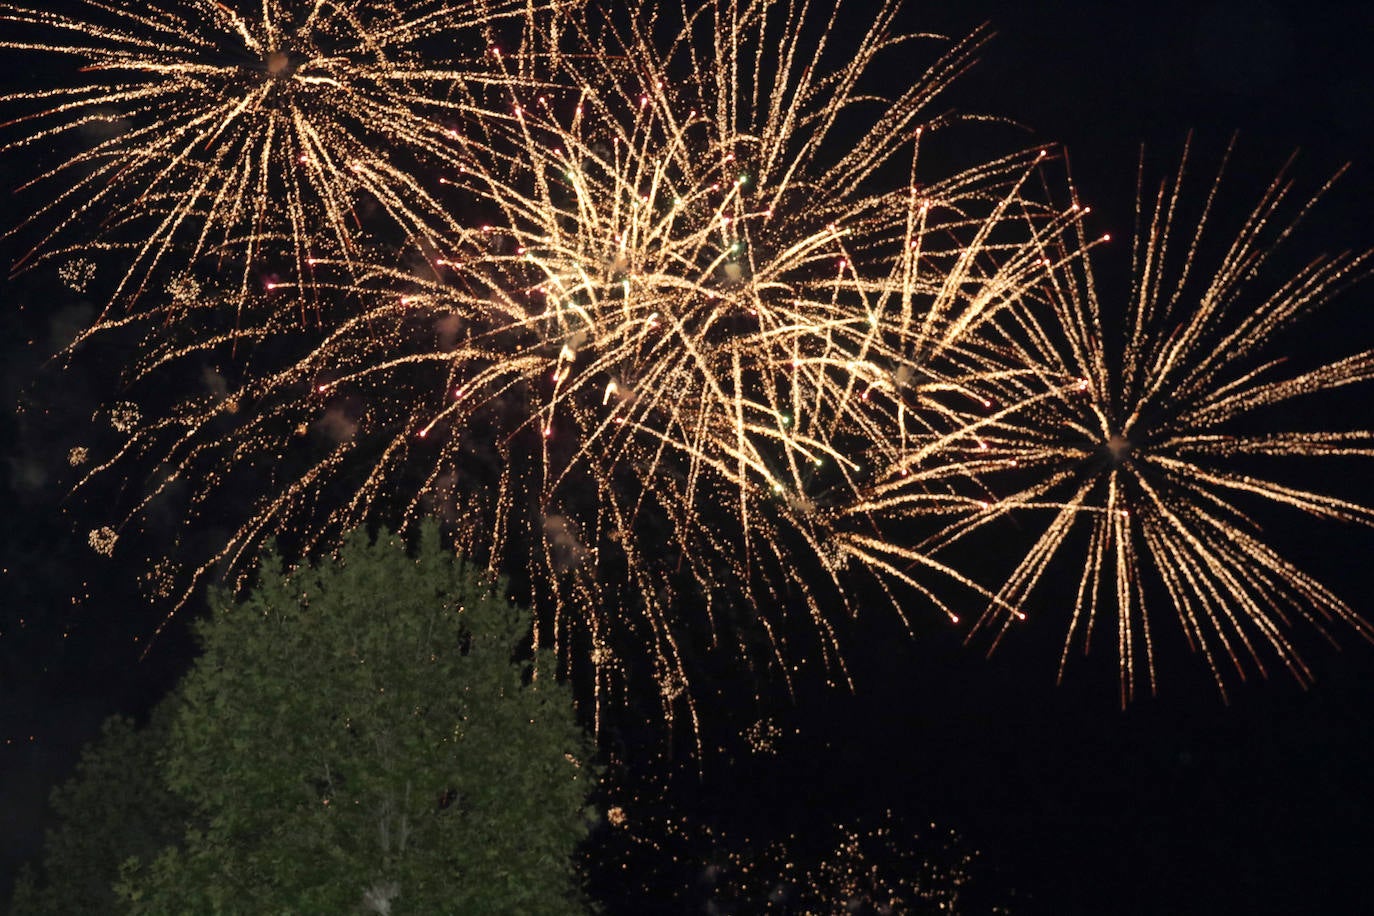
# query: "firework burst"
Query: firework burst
1157,454
258,141
693,327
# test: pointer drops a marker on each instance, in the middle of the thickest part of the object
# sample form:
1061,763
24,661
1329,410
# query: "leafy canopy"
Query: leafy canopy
359,736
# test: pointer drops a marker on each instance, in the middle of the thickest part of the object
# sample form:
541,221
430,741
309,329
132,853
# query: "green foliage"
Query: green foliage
114,805
359,737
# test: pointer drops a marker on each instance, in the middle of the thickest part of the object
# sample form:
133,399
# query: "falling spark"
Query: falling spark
642,383
245,139
1157,448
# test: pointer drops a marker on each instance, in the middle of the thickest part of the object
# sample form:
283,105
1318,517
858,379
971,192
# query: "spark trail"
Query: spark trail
695,324
1155,455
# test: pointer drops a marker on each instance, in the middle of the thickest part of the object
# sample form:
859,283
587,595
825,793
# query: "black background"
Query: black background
1179,803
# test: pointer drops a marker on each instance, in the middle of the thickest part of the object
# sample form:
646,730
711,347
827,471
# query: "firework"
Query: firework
747,850
884,869
249,140
1157,454
693,327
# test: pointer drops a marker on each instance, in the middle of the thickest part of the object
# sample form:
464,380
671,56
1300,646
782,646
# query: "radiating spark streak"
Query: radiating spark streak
250,135
665,375
1138,452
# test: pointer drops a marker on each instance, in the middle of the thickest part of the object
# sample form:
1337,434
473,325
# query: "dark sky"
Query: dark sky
1179,804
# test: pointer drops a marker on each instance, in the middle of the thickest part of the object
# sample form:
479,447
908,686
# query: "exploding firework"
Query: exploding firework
695,357
256,141
694,327
1158,455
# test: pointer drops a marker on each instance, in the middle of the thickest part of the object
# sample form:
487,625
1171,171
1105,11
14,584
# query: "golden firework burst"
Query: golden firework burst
248,140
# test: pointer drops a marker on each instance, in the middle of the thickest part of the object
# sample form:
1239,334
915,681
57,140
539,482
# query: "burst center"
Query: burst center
279,64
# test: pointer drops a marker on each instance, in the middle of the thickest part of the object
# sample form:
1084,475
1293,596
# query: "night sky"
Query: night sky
1178,804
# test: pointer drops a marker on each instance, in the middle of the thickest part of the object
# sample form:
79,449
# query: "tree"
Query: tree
357,737
113,806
